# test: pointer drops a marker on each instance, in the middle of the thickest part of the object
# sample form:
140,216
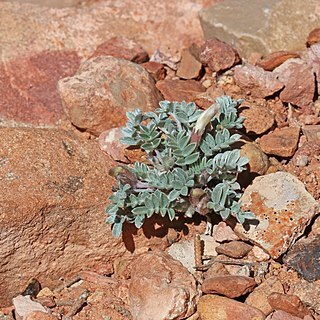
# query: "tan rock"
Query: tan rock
179,90
161,288
189,67
259,297
121,47
256,81
282,208
105,86
221,232
24,306
230,286
275,59
288,303
213,307
218,55
234,249
281,142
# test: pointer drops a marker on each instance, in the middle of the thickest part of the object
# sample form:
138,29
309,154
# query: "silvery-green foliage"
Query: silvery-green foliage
176,166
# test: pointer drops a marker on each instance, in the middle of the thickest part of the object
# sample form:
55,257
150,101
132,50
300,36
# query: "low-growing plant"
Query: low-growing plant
190,166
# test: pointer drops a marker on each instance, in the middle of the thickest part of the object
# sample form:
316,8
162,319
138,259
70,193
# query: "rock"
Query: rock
45,292
221,232
51,182
217,269
282,315
313,59
218,55
234,249
180,90
213,307
275,59
53,4
283,209
261,26
155,69
258,117
183,251
228,285
190,67
313,37
312,133
288,303
28,86
298,78
304,257
258,254
259,297
309,293
156,277
258,82
24,306
258,161
280,112
109,142
281,142
38,315
121,47
105,86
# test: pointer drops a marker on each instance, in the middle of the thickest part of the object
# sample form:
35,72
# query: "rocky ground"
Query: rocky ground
69,73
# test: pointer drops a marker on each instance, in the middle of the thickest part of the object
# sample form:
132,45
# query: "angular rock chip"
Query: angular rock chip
304,257
275,59
97,97
231,286
234,249
24,306
313,37
281,142
258,82
156,70
179,90
283,209
218,55
190,67
214,307
161,288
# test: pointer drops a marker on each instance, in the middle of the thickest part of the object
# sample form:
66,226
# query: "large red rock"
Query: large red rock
53,192
258,82
218,55
98,96
28,86
299,81
161,288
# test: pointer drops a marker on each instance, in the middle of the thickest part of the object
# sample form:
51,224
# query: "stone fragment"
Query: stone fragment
309,293
39,315
190,67
258,160
105,86
51,181
258,82
214,307
24,306
281,142
312,133
288,303
234,249
165,59
259,297
155,69
218,55
298,79
283,209
179,90
259,254
217,269
28,86
261,26
109,142
258,118
304,257
45,292
275,59
228,285
280,112
221,232
157,277
121,47
313,37
281,315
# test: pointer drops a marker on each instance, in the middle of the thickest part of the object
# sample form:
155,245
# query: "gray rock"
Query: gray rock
283,209
261,26
97,97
